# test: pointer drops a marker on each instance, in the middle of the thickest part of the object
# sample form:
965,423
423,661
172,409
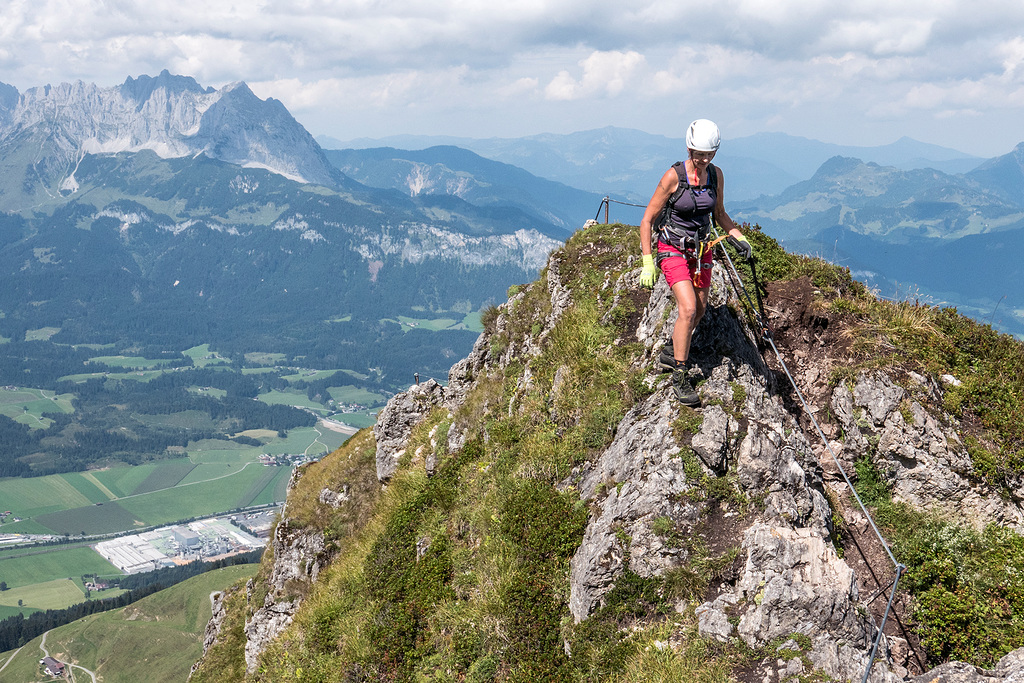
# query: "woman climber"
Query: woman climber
693,192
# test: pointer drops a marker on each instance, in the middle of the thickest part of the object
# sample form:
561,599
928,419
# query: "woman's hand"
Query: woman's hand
647,274
741,245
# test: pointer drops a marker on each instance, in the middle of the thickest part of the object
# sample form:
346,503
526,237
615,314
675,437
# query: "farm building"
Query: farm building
52,667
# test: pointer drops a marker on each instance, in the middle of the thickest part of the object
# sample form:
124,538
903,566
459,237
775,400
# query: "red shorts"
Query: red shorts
678,267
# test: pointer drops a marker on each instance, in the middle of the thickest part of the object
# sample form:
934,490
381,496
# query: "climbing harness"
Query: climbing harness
766,336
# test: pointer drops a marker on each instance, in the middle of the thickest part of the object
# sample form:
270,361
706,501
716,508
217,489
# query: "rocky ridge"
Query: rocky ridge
171,115
781,585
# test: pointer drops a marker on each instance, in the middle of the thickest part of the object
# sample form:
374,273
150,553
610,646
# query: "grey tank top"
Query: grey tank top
690,215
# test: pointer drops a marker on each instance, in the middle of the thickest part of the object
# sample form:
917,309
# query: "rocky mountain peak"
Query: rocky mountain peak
140,89
554,507
171,115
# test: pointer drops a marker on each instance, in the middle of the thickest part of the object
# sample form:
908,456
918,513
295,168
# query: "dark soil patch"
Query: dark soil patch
810,340
629,310
723,530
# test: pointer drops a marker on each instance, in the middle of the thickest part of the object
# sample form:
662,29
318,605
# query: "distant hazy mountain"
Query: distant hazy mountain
627,163
1003,175
885,202
447,170
949,239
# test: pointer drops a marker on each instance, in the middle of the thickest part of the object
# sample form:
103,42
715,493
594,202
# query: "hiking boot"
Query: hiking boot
666,359
684,391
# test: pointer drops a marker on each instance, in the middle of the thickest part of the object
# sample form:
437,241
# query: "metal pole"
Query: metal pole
606,205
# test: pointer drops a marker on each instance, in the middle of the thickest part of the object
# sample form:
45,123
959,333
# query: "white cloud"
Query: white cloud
846,71
605,74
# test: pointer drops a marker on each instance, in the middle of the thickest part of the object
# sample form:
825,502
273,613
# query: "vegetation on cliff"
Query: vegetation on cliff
463,575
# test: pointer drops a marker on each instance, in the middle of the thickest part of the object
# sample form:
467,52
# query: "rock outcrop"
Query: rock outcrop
299,556
918,449
746,475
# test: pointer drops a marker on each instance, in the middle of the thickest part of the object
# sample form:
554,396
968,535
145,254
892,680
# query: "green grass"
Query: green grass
357,395
207,471
86,487
309,375
219,451
202,356
42,334
67,503
56,594
297,441
107,518
27,405
261,358
25,526
276,489
472,322
29,497
165,475
126,479
6,611
432,324
256,489
360,420
155,639
292,398
130,362
195,500
30,567
208,391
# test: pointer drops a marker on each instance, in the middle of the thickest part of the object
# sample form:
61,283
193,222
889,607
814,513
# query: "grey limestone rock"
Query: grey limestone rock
636,479
299,555
1009,669
333,499
396,421
918,451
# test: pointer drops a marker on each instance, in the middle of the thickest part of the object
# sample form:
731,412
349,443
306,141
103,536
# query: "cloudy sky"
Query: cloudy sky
862,72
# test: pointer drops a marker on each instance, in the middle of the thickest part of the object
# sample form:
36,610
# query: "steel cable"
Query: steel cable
767,337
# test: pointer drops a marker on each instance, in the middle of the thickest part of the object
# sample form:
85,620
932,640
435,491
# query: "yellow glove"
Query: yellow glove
742,246
648,272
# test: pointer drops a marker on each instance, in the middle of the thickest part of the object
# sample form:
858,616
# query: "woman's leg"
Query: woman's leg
691,304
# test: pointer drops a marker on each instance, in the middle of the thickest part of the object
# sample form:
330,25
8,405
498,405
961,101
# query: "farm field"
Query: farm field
56,594
213,477
294,398
360,419
202,356
155,639
26,405
130,362
28,567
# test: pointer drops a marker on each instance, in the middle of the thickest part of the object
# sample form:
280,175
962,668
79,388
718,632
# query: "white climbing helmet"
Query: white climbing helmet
703,136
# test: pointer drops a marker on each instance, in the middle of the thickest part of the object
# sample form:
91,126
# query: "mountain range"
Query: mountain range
945,239
163,212
187,167
901,216
626,164
454,171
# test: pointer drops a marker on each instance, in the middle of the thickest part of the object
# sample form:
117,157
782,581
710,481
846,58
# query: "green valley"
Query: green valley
155,639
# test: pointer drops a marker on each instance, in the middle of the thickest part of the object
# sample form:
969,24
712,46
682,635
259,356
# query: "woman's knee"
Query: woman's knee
688,312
